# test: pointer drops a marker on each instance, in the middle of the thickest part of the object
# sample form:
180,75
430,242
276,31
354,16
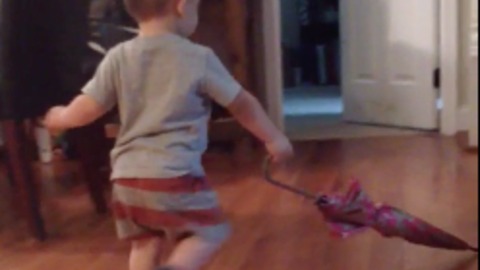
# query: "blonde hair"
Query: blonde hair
145,9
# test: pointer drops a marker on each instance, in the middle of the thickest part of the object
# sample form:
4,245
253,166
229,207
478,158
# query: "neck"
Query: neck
157,26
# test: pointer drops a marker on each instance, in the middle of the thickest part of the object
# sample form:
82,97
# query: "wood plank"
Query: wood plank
430,176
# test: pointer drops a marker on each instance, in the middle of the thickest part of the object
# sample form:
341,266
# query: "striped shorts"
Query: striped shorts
150,207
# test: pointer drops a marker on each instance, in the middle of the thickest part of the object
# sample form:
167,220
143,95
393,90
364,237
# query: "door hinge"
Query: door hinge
437,78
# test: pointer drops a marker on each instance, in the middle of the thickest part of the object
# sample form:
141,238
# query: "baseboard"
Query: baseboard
463,116
462,141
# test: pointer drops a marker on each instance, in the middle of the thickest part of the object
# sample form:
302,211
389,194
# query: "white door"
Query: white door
390,51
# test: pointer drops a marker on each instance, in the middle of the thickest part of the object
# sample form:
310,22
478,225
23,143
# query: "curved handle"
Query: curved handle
268,177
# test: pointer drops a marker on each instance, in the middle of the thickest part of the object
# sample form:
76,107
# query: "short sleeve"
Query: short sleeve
218,83
102,86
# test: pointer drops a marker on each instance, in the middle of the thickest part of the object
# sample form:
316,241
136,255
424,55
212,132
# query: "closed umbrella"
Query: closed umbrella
354,212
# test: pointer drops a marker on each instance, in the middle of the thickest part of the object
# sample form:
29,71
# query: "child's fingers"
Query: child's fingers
40,121
55,132
279,159
283,156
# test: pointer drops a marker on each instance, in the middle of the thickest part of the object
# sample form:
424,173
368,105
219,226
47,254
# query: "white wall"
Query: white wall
473,76
473,104
468,14
464,31
467,116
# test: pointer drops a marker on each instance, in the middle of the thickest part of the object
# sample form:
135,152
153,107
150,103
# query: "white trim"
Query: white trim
463,116
449,57
272,53
473,102
474,29
473,76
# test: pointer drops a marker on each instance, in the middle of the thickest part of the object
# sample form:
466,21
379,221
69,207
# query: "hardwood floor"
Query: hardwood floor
426,175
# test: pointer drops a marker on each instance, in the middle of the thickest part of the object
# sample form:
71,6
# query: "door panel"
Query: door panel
390,50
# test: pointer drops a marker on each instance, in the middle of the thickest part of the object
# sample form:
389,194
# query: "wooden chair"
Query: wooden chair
18,166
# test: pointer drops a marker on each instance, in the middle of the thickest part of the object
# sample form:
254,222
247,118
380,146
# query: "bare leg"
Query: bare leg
145,253
194,252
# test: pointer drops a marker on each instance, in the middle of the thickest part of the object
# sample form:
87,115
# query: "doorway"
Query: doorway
311,64
358,68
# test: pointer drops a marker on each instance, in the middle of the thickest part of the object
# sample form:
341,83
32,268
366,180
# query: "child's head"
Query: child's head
184,12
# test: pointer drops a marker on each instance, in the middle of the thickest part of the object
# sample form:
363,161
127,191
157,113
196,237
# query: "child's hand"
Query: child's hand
53,120
280,149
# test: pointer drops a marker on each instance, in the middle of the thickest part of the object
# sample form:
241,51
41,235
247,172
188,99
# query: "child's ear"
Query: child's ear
180,7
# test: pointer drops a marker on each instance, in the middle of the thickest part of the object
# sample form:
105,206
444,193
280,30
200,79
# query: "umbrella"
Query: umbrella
355,212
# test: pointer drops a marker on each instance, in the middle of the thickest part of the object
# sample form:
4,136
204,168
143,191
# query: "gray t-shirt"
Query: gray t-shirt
163,87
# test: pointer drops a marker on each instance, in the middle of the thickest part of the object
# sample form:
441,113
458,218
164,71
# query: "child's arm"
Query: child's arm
82,111
250,114
219,85
99,96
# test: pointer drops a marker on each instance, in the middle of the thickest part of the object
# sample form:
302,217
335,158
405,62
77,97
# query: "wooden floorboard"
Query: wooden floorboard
427,175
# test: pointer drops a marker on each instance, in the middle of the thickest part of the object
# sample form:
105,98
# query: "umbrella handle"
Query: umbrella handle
268,177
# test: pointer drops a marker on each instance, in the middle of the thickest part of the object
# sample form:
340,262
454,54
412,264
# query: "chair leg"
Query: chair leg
10,173
87,143
95,187
22,175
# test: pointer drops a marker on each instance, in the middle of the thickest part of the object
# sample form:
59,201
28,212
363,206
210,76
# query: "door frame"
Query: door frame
449,59
272,60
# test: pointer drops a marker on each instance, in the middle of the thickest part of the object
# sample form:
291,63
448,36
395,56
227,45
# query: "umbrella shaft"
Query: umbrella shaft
297,191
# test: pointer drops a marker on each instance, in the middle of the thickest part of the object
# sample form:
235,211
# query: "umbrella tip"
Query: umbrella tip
322,201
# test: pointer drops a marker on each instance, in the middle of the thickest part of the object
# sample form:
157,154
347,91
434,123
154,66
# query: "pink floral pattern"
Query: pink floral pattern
354,212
